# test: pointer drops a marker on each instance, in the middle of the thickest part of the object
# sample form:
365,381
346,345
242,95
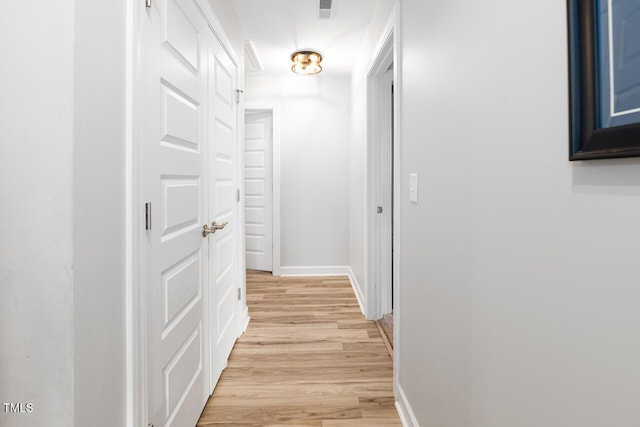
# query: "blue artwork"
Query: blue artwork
604,78
618,63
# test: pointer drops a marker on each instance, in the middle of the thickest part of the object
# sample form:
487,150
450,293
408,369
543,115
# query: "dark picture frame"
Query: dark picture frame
588,140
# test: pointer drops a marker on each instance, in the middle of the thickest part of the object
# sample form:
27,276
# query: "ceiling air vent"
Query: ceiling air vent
325,9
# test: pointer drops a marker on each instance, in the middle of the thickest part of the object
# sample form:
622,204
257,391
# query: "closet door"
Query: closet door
176,252
223,149
258,184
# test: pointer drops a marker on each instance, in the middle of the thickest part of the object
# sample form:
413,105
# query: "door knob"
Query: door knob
206,229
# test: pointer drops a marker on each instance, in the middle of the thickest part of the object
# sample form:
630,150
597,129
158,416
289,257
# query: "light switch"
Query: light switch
413,188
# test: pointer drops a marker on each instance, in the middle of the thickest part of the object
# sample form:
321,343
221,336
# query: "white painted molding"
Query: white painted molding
245,320
254,63
397,213
378,244
135,316
407,417
387,35
357,290
315,271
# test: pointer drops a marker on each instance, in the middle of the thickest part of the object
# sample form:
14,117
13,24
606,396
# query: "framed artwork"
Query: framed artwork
604,78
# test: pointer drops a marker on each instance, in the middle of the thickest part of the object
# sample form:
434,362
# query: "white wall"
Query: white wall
519,273
358,140
99,213
314,130
36,228
62,239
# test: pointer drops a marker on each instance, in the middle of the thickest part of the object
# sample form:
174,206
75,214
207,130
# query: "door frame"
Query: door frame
387,51
379,126
135,179
274,109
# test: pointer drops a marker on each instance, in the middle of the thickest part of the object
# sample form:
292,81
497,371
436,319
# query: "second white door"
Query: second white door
223,269
259,190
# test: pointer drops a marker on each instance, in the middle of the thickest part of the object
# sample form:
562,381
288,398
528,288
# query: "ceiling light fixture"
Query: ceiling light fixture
306,62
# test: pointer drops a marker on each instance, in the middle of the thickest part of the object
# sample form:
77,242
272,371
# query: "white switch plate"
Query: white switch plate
413,188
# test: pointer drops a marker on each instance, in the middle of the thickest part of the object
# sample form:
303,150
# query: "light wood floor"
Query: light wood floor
308,358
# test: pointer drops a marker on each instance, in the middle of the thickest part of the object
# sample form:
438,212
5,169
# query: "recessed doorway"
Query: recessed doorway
383,171
262,189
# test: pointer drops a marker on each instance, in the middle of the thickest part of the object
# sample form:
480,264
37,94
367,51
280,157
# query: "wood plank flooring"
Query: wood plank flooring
308,358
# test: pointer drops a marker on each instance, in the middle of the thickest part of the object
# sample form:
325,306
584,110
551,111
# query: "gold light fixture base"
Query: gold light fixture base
306,62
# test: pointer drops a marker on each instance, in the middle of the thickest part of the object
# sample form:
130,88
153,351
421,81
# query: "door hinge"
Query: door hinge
239,294
238,92
237,195
147,216
147,3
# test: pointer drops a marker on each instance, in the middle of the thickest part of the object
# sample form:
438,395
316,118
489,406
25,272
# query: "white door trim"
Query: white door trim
378,236
135,173
135,324
388,51
395,20
274,109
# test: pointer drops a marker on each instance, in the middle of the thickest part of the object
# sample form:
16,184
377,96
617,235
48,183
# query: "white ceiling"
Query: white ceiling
277,28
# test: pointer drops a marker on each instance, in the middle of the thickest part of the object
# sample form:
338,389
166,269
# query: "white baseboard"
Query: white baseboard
357,290
245,320
405,412
315,271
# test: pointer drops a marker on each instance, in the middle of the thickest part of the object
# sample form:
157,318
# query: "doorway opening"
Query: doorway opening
382,182
382,173
258,190
262,188
386,155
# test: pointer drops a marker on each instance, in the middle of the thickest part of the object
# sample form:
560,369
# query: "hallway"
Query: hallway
308,358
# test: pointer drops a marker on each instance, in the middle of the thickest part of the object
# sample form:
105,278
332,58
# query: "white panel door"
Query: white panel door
258,186
222,131
176,253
